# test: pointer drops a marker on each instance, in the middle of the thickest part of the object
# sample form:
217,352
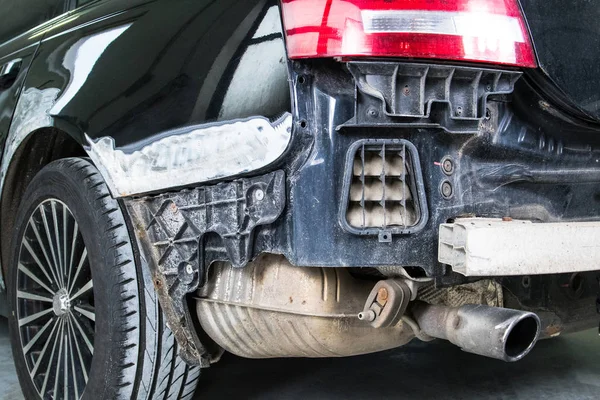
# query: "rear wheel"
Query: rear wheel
85,321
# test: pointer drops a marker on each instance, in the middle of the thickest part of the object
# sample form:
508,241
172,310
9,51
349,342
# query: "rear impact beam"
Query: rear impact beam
496,247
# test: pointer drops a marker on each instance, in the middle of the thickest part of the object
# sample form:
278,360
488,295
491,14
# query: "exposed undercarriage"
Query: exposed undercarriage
393,173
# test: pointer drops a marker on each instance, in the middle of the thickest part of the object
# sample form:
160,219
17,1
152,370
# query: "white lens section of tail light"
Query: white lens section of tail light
471,24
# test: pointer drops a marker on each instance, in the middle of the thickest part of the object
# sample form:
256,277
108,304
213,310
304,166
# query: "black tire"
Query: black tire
133,354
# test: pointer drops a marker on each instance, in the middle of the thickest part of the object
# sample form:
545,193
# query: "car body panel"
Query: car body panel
137,71
169,65
566,36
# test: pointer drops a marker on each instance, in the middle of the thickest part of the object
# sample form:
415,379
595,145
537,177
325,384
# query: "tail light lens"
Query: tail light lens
467,30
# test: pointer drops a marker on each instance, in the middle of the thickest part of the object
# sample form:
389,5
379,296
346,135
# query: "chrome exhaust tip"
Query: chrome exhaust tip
500,333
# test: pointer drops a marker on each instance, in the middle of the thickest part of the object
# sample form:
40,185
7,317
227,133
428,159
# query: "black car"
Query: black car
294,178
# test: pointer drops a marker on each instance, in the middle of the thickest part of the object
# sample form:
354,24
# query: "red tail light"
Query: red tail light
468,30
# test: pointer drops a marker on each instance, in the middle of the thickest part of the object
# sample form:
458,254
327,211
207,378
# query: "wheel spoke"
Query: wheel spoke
64,214
30,296
36,316
49,237
83,335
78,270
73,243
73,368
48,368
86,313
66,369
36,232
81,363
59,360
60,266
84,289
30,274
43,352
37,336
37,260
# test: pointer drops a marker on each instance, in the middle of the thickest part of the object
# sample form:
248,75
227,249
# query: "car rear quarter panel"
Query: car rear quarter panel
133,70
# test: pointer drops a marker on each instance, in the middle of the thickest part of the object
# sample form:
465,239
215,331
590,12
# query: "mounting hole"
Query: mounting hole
303,124
447,165
488,114
446,190
526,282
577,285
301,79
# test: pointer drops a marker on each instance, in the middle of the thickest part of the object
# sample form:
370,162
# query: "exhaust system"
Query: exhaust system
272,309
501,333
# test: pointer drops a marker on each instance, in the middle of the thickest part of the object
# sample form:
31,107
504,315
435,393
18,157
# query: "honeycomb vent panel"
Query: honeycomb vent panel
383,189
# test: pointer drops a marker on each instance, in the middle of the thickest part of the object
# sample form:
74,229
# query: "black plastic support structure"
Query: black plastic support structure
452,98
172,231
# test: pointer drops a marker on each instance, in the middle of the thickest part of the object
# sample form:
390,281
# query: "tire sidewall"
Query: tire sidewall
55,182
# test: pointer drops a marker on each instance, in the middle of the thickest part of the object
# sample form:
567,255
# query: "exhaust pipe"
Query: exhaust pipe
501,333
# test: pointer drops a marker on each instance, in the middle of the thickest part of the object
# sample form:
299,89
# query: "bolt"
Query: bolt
447,166
372,112
447,190
382,294
259,194
189,269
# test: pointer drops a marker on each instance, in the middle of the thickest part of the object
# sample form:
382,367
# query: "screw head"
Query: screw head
372,112
259,194
189,269
447,190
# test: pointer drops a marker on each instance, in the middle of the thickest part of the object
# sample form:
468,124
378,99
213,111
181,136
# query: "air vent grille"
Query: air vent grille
384,189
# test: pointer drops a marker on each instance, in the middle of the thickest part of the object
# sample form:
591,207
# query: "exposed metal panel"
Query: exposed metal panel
494,247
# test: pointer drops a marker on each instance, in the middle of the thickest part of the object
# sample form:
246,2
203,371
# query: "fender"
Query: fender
180,75
123,81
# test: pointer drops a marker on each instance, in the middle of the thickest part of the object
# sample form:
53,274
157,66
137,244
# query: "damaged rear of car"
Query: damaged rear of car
303,178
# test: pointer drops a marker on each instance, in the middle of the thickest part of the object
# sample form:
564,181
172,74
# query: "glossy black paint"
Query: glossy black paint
566,37
20,50
132,69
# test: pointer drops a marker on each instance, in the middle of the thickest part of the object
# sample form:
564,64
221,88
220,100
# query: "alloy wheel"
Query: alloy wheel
55,303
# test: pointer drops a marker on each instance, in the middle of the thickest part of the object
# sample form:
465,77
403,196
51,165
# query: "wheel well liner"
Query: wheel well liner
40,148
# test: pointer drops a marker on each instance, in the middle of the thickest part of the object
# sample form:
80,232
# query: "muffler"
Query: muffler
272,309
500,333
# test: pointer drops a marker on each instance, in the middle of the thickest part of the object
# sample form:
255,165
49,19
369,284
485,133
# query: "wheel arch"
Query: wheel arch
38,149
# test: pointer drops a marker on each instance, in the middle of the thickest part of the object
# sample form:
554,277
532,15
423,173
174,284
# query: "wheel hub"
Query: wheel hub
61,303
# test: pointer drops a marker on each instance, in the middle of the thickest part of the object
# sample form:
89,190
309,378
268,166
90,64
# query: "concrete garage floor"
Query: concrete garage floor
564,368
